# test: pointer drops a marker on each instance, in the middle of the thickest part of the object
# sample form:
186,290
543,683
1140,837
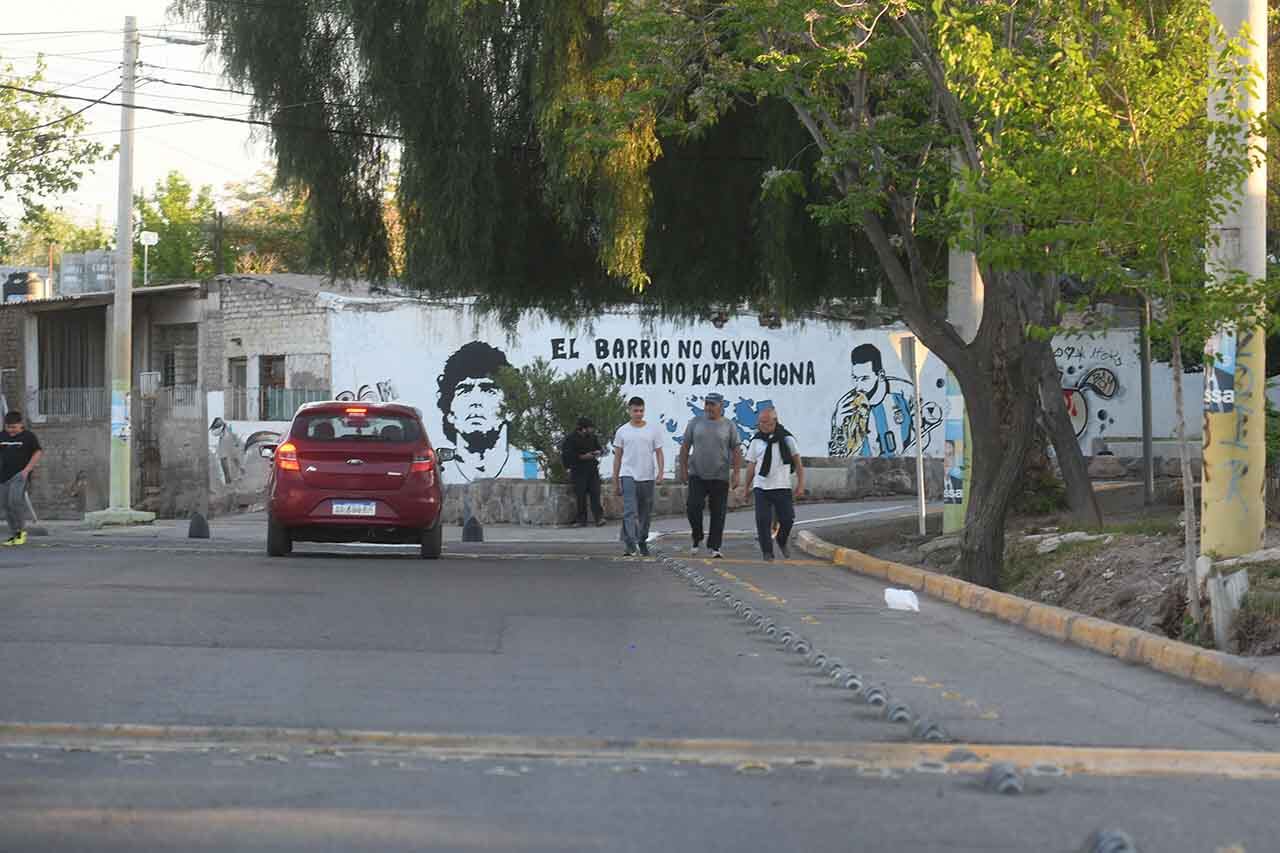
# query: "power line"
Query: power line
160,80
96,31
62,86
196,85
71,55
62,119
180,70
259,122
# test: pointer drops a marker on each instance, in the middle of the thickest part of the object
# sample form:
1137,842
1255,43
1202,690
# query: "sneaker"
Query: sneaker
630,552
716,555
694,549
768,558
21,538
600,522
644,550
786,554
12,540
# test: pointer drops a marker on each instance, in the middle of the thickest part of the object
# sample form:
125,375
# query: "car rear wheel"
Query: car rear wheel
433,542
279,542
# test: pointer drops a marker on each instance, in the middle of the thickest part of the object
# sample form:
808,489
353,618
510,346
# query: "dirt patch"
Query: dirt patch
1129,572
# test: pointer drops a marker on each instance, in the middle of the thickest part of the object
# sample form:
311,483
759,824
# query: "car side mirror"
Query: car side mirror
267,451
446,455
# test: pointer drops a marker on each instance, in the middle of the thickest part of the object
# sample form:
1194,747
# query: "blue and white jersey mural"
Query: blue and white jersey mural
841,392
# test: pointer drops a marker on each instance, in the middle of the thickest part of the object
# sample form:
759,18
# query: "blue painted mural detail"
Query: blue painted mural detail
745,414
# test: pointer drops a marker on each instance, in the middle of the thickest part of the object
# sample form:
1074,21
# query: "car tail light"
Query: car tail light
287,457
423,463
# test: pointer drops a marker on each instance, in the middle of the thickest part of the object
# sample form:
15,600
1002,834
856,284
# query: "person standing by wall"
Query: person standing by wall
773,456
581,456
707,452
19,453
637,468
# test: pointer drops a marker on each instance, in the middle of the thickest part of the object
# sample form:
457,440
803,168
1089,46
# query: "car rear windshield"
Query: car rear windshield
356,427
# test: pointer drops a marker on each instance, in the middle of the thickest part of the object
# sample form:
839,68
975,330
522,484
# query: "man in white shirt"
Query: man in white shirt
773,456
637,468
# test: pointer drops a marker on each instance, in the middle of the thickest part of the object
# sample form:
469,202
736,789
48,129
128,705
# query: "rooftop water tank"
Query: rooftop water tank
22,286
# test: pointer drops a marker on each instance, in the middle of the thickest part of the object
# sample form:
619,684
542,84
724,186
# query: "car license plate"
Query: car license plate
354,508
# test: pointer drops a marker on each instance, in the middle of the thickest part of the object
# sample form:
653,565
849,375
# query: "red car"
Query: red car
355,472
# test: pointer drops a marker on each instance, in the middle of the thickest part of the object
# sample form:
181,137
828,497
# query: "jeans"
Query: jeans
586,481
14,494
637,509
718,492
769,502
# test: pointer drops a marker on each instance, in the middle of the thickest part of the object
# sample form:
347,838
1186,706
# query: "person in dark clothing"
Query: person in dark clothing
19,453
581,454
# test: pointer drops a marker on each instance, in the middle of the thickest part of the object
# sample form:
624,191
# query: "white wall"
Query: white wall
1101,377
803,370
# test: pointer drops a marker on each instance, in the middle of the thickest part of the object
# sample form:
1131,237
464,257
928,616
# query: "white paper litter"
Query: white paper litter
901,599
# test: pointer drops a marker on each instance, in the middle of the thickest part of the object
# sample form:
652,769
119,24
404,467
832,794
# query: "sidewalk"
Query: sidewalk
251,527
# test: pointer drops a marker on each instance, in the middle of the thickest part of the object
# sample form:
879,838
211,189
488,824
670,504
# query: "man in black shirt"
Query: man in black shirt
581,455
19,453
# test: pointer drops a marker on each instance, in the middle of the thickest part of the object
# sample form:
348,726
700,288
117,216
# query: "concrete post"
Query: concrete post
964,311
1233,512
120,509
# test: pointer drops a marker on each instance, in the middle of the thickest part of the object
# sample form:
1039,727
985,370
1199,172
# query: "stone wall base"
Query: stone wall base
537,502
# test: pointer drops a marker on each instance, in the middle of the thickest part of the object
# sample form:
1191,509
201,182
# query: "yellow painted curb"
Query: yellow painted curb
1231,673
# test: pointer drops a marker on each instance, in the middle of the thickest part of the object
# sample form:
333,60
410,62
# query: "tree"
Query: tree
544,407
552,132
1140,173
479,97
183,217
29,246
43,149
266,226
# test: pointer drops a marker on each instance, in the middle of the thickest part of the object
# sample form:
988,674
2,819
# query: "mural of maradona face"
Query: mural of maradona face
471,401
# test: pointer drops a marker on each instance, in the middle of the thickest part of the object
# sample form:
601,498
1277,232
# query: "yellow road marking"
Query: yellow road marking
870,756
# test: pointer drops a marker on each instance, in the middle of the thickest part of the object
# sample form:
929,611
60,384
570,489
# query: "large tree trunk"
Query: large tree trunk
1075,471
1001,390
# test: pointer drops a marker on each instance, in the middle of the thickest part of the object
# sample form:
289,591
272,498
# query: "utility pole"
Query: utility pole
120,510
1233,509
1233,513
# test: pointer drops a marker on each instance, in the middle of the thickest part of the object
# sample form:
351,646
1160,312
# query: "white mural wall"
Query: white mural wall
841,392
1101,380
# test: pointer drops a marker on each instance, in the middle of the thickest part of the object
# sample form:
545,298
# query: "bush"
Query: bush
543,406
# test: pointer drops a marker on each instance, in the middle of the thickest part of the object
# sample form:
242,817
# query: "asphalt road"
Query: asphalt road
573,701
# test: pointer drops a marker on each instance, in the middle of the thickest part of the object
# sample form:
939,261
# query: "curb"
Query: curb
1230,673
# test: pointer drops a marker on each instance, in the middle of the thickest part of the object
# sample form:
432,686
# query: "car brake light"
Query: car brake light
287,457
423,464
360,412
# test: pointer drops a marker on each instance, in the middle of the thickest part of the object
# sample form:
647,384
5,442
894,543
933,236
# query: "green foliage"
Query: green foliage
525,176
29,246
543,406
183,218
43,151
267,229
1103,157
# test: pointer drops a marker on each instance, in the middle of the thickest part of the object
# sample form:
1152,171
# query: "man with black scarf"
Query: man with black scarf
773,457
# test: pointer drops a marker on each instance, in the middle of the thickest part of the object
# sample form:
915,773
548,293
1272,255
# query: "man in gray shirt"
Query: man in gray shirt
709,450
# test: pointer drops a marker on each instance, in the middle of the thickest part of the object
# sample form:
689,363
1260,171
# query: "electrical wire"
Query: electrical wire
205,116
61,119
